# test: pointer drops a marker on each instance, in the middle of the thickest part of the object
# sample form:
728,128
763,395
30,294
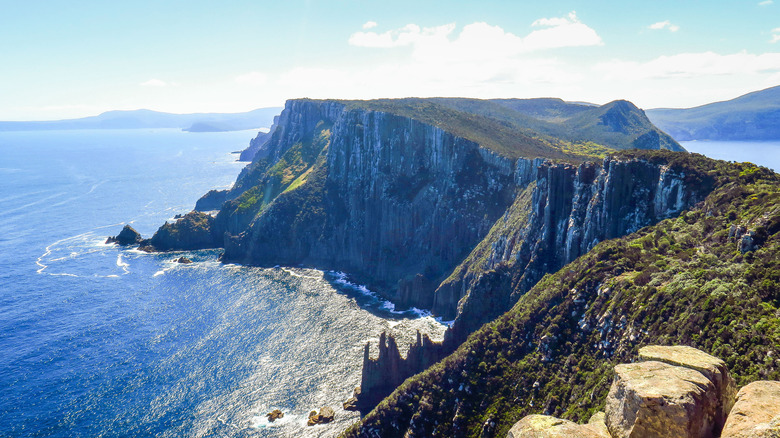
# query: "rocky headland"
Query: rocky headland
542,244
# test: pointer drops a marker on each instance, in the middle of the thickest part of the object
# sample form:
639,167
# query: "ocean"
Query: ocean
763,153
98,340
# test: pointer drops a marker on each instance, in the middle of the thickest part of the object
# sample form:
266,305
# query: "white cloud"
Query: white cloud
566,31
775,35
406,36
765,3
689,65
476,39
154,83
252,78
369,25
664,25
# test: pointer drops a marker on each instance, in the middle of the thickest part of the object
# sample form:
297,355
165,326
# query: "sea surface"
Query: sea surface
763,153
97,340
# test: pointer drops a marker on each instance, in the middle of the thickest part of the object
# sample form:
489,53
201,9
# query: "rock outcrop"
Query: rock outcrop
381,375
326,415
711,367
128,236
756,413
545,426
212,200
193,231
257,143
655,399
274,415
673,392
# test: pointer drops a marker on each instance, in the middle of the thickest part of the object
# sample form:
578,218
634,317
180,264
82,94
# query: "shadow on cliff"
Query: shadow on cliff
368,300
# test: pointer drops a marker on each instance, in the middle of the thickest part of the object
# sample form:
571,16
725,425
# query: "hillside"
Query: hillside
707,278
616,125
753,116
146,119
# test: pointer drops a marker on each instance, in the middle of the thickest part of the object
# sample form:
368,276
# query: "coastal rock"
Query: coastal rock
389,369
352,403
183,260
128,236
193,231
212,200
326,415
756,413
710,366
544,426
655,399
274,415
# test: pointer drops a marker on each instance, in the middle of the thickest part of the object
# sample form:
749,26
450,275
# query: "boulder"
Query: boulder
598,423
326,415
352,403
184,260
710,366
656,399
274,415
128,236
756,413
545,426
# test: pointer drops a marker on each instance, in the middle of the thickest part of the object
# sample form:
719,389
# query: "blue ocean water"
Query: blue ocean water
763,153
97,340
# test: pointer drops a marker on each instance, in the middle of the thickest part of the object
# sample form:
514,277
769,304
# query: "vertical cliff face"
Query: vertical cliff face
569,210
562,213
383,374
395,202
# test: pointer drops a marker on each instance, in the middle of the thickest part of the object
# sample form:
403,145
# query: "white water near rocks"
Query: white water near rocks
104,341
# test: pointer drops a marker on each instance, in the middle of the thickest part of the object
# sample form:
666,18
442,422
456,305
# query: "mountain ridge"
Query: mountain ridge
145,118
752,116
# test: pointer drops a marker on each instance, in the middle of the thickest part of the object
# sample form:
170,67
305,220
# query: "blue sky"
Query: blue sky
61,59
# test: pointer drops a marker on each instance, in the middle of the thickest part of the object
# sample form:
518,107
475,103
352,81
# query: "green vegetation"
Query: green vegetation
288,173
506,139
681,281
616,125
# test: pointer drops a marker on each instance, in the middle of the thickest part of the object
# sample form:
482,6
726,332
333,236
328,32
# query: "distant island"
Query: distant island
146,119
752,117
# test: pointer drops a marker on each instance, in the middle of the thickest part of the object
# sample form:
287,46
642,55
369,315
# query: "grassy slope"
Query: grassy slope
268,180
488,131
616,125
681,281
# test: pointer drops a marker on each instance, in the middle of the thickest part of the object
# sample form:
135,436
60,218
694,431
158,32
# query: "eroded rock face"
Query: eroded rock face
544,426
710,366
128,236
571,209
756,413
655,399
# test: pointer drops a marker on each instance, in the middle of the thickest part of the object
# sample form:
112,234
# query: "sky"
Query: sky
65,59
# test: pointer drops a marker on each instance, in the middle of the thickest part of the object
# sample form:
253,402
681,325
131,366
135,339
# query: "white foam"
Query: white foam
159,273
260,421
295,274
